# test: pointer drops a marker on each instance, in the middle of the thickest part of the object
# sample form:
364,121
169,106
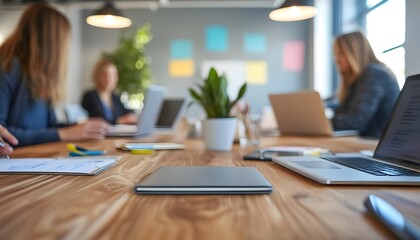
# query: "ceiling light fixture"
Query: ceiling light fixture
108,17
294,10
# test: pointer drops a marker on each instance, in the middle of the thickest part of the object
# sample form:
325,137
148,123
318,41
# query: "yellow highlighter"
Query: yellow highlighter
142,151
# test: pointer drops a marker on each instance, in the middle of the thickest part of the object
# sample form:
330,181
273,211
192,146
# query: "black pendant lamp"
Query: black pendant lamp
108,17
294,10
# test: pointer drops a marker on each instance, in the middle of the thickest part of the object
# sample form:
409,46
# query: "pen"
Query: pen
3,144
401,226
79,151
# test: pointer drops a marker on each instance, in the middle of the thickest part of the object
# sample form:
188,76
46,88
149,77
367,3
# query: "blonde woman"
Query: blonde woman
32,73
102,101
368,88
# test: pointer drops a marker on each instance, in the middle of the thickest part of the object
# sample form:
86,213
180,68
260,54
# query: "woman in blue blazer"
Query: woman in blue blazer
103,102
32,73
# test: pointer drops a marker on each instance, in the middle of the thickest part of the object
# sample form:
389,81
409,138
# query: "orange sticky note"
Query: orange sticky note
181,68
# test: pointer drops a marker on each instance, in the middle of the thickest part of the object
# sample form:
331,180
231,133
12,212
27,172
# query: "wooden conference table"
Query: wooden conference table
105,206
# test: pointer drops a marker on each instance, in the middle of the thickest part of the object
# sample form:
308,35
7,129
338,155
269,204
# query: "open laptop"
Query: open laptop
146,120
303,113
396,160
170,114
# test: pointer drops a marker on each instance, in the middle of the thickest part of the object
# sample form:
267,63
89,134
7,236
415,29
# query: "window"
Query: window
384,24
385,29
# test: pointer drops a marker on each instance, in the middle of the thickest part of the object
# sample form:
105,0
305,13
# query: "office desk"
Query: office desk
105,207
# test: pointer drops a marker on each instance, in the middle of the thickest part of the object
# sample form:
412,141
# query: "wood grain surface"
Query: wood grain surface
106,207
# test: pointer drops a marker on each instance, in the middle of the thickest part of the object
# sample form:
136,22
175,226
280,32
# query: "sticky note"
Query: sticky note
293,56
216,38
256,72
254,43
181,68
181,49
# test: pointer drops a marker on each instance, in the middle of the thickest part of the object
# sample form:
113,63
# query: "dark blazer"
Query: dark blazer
32,121
94,106
369,102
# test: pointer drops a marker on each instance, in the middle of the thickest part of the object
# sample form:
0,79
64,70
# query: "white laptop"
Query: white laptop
170,114
302,113
146,120
396,160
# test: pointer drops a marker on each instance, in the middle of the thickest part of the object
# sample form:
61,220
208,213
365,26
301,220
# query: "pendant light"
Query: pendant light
108,17
294,10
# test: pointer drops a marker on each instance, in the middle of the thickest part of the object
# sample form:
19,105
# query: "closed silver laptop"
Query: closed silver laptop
204,180
396,160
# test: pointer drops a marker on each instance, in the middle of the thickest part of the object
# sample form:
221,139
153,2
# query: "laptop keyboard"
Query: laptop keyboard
372,167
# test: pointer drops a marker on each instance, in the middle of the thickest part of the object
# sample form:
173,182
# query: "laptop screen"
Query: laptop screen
400,139
169,112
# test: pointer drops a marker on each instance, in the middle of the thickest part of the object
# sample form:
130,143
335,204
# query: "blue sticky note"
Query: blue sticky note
216,38
181,49
254,43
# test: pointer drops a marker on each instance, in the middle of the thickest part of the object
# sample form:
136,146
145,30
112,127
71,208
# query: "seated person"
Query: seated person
6,149
32,70
103,102
368,88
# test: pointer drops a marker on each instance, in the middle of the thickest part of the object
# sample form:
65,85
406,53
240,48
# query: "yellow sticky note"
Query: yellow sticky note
256,72
181,68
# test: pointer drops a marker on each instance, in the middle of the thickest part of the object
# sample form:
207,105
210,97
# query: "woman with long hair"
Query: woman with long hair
103,102
33,65
368,88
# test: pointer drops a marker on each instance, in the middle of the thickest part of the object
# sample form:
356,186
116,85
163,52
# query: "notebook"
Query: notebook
396,160
303,113
61,166
148,117
204,180
170,114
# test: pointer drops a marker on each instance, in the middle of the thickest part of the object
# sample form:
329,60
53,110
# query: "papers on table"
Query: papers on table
295,150
64,166
266,154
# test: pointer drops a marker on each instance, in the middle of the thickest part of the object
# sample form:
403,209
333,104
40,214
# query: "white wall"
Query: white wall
74,79
412,38
191,25
8,21
322,50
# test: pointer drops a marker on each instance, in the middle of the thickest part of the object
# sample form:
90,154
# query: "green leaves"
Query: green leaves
131,60
213,97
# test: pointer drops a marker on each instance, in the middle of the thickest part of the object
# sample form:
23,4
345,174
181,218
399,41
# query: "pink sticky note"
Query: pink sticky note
294,54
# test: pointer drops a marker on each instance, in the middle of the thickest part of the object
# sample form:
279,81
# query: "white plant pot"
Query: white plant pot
218,133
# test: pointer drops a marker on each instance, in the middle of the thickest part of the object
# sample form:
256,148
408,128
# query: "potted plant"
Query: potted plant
219,127
133,64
